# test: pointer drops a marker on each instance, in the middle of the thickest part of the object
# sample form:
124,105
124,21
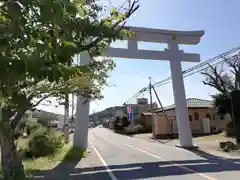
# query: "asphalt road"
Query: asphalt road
118,157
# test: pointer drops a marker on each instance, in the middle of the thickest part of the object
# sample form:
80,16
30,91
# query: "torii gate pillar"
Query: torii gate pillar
181,110
80,138
173,54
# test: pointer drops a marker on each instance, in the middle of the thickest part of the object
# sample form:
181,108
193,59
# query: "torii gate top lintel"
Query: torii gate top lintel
158,36
166,36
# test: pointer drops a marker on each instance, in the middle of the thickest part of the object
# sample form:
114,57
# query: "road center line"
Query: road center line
170,162
113,177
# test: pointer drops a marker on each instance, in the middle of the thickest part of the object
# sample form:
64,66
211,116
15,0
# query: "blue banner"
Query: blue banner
129,116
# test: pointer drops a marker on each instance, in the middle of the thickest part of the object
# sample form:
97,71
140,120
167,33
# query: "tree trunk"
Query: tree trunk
11,160
235,98
66,119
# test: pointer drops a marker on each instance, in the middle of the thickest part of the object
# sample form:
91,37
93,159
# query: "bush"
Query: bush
125,121
57,138
138,128
32,126
134,129
230,130
44,142
117,120
227,146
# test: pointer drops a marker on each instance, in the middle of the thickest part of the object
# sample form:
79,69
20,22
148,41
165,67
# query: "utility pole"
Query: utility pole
151,106
160,103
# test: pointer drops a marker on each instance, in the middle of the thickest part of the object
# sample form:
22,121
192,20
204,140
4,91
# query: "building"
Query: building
141,106
112,112
200,112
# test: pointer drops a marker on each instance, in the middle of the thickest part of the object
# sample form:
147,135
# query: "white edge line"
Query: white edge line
170,162
217,157
113,177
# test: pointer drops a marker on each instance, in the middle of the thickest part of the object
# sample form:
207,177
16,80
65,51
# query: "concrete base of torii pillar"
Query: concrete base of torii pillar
81,123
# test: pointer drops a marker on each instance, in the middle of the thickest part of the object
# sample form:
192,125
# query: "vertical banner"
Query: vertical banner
129,109
129,112
132,112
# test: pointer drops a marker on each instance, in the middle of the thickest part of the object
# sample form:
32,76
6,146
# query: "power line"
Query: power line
185,72
201,69
198,66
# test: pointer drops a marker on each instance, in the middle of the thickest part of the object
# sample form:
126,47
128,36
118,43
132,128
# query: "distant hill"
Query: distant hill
44,115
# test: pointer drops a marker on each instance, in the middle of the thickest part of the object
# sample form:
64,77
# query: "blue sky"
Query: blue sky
219,19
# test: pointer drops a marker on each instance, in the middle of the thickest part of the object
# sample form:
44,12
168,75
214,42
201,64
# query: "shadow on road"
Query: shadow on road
210,163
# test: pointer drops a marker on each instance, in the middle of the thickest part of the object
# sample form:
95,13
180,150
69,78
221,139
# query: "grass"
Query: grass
214,136
66,154
220,136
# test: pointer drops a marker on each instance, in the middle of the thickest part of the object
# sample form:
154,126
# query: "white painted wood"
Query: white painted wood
183,124
151,55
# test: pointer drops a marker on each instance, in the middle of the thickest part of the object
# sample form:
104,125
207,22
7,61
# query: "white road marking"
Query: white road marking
178,165
192,164
115,170
181,149
200,154
113,177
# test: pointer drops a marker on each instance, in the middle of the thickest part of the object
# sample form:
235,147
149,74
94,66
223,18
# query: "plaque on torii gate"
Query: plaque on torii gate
172,54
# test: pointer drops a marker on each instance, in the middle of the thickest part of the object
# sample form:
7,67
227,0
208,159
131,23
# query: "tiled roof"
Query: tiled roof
192,103
146,113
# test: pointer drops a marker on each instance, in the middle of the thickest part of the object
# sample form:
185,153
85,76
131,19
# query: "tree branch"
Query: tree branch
216,80
213,83
130,11
42,99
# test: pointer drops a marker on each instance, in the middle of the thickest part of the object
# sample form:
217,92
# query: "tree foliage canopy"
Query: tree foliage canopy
39,40
222,103
224,81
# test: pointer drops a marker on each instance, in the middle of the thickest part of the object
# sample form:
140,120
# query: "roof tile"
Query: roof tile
193,103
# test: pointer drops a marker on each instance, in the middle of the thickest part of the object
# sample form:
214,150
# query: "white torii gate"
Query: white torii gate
172,53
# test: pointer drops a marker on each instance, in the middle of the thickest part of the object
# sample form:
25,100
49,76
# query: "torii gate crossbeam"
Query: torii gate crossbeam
172,54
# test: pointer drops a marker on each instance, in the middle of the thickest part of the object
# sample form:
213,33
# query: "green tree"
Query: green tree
125,121
225,81
223,104
38,42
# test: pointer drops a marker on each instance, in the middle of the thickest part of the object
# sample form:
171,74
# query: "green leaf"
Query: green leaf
69,44
114,10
